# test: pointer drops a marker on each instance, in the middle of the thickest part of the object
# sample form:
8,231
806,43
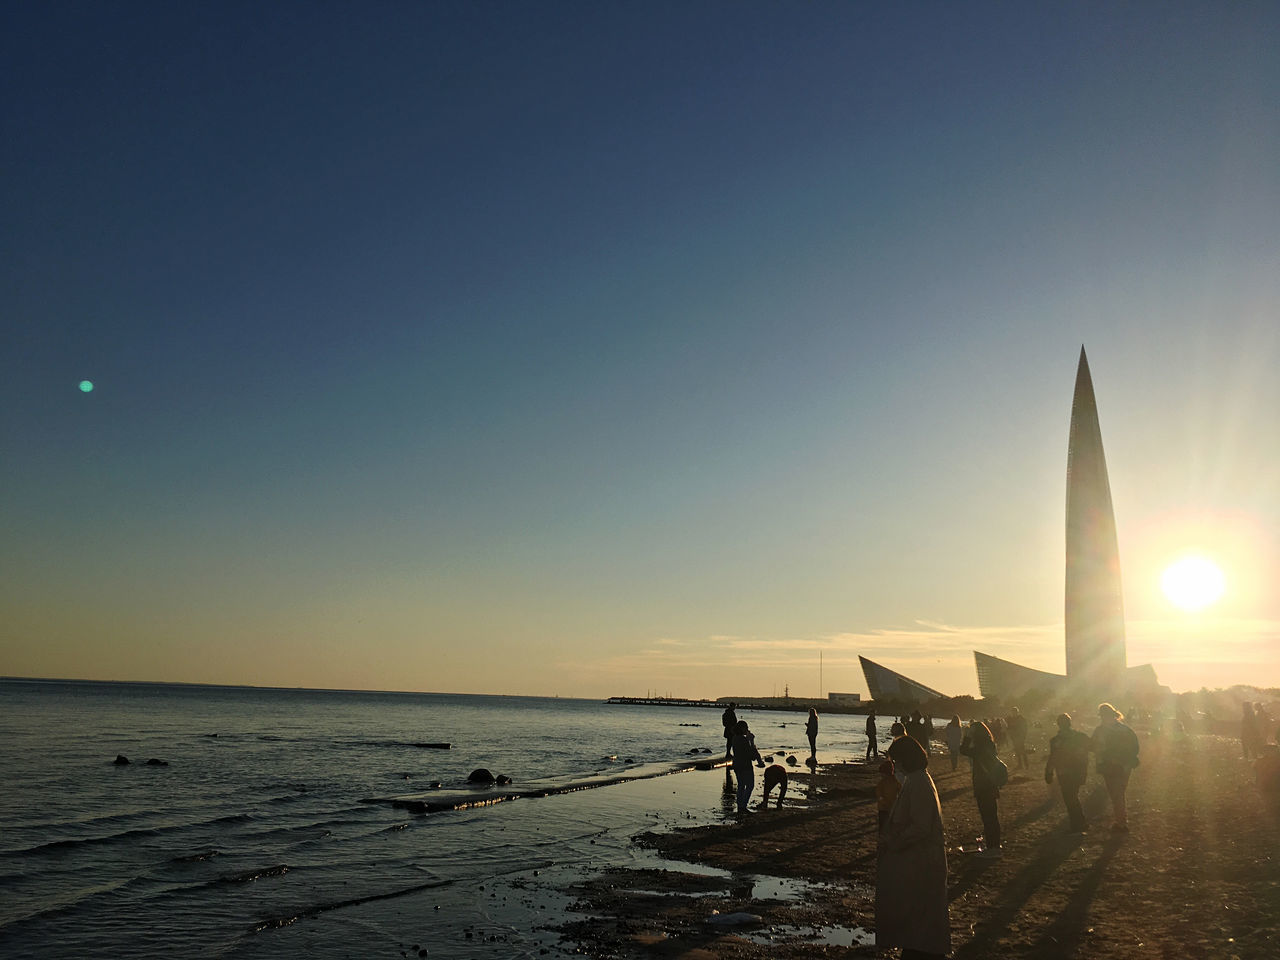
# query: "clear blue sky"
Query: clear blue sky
600,348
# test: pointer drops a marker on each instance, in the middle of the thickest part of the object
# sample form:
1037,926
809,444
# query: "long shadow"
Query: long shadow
1052,852
1064,935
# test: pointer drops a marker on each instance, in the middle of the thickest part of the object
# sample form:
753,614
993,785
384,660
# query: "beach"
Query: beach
1197,877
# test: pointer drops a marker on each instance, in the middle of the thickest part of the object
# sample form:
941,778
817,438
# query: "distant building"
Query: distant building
886,684
844,697
1007,680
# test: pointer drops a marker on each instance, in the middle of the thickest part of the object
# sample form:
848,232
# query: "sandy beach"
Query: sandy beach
1197,877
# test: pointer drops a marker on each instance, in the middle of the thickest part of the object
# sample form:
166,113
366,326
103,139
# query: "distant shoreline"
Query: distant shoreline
793,704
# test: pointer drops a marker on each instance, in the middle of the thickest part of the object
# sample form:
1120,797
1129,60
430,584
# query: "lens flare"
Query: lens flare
86,386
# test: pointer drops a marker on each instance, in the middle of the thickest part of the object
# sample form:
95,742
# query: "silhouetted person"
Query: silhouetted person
896,747
980,747
873,748
811,731
774,775
745,755
911,865
999,732
1266,723
1069,759
730,720
915,730
1266,774
954,735
1250,741
1018,737
1117,748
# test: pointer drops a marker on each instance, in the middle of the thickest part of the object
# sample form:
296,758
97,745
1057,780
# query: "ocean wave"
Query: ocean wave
274,923
140,833
405,744
465,798
196,857
249,876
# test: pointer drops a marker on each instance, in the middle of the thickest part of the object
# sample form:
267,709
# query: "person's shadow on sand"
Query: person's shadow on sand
1064,935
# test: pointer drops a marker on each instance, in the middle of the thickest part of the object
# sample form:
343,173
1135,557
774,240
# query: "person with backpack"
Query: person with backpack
989,775
1069,759
1116,745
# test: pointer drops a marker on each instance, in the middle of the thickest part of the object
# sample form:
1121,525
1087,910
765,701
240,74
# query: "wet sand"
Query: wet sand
1198,876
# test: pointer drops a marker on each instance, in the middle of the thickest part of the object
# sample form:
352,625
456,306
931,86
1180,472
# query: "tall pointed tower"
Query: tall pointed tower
1096,658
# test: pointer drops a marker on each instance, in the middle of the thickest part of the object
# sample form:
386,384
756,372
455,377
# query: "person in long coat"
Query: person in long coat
911,866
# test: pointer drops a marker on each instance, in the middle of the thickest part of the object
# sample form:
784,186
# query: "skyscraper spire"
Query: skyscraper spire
1094,610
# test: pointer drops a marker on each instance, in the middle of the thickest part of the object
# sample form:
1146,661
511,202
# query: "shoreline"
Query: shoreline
1198,876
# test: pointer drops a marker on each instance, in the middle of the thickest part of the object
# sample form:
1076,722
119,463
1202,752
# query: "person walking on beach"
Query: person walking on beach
1069,759
873,750
989,775
1018,736
730,720
1116,745
811,731
745,756
954,734
911,866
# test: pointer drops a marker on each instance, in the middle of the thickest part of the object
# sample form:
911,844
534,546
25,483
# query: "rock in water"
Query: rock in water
739,919
480,776
502,780
153,762
120,760
792,761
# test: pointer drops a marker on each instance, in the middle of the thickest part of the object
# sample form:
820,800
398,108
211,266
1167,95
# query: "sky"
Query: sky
591,349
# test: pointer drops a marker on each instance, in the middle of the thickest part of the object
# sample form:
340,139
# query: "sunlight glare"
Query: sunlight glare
1193,582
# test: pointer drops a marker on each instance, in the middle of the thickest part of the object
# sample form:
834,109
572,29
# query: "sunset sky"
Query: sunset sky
605,348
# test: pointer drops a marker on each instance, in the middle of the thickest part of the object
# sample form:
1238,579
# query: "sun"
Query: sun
1193,582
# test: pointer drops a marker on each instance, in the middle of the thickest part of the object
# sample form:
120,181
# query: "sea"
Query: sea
269,827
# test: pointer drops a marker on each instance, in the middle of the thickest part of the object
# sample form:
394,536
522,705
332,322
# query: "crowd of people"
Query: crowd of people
911,877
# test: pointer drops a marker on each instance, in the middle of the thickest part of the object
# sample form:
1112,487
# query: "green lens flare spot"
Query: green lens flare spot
86,386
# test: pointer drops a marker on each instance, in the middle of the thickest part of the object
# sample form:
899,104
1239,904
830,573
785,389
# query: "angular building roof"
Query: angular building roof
1004,679
886,684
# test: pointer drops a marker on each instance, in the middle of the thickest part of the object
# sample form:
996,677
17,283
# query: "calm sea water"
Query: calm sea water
255,840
